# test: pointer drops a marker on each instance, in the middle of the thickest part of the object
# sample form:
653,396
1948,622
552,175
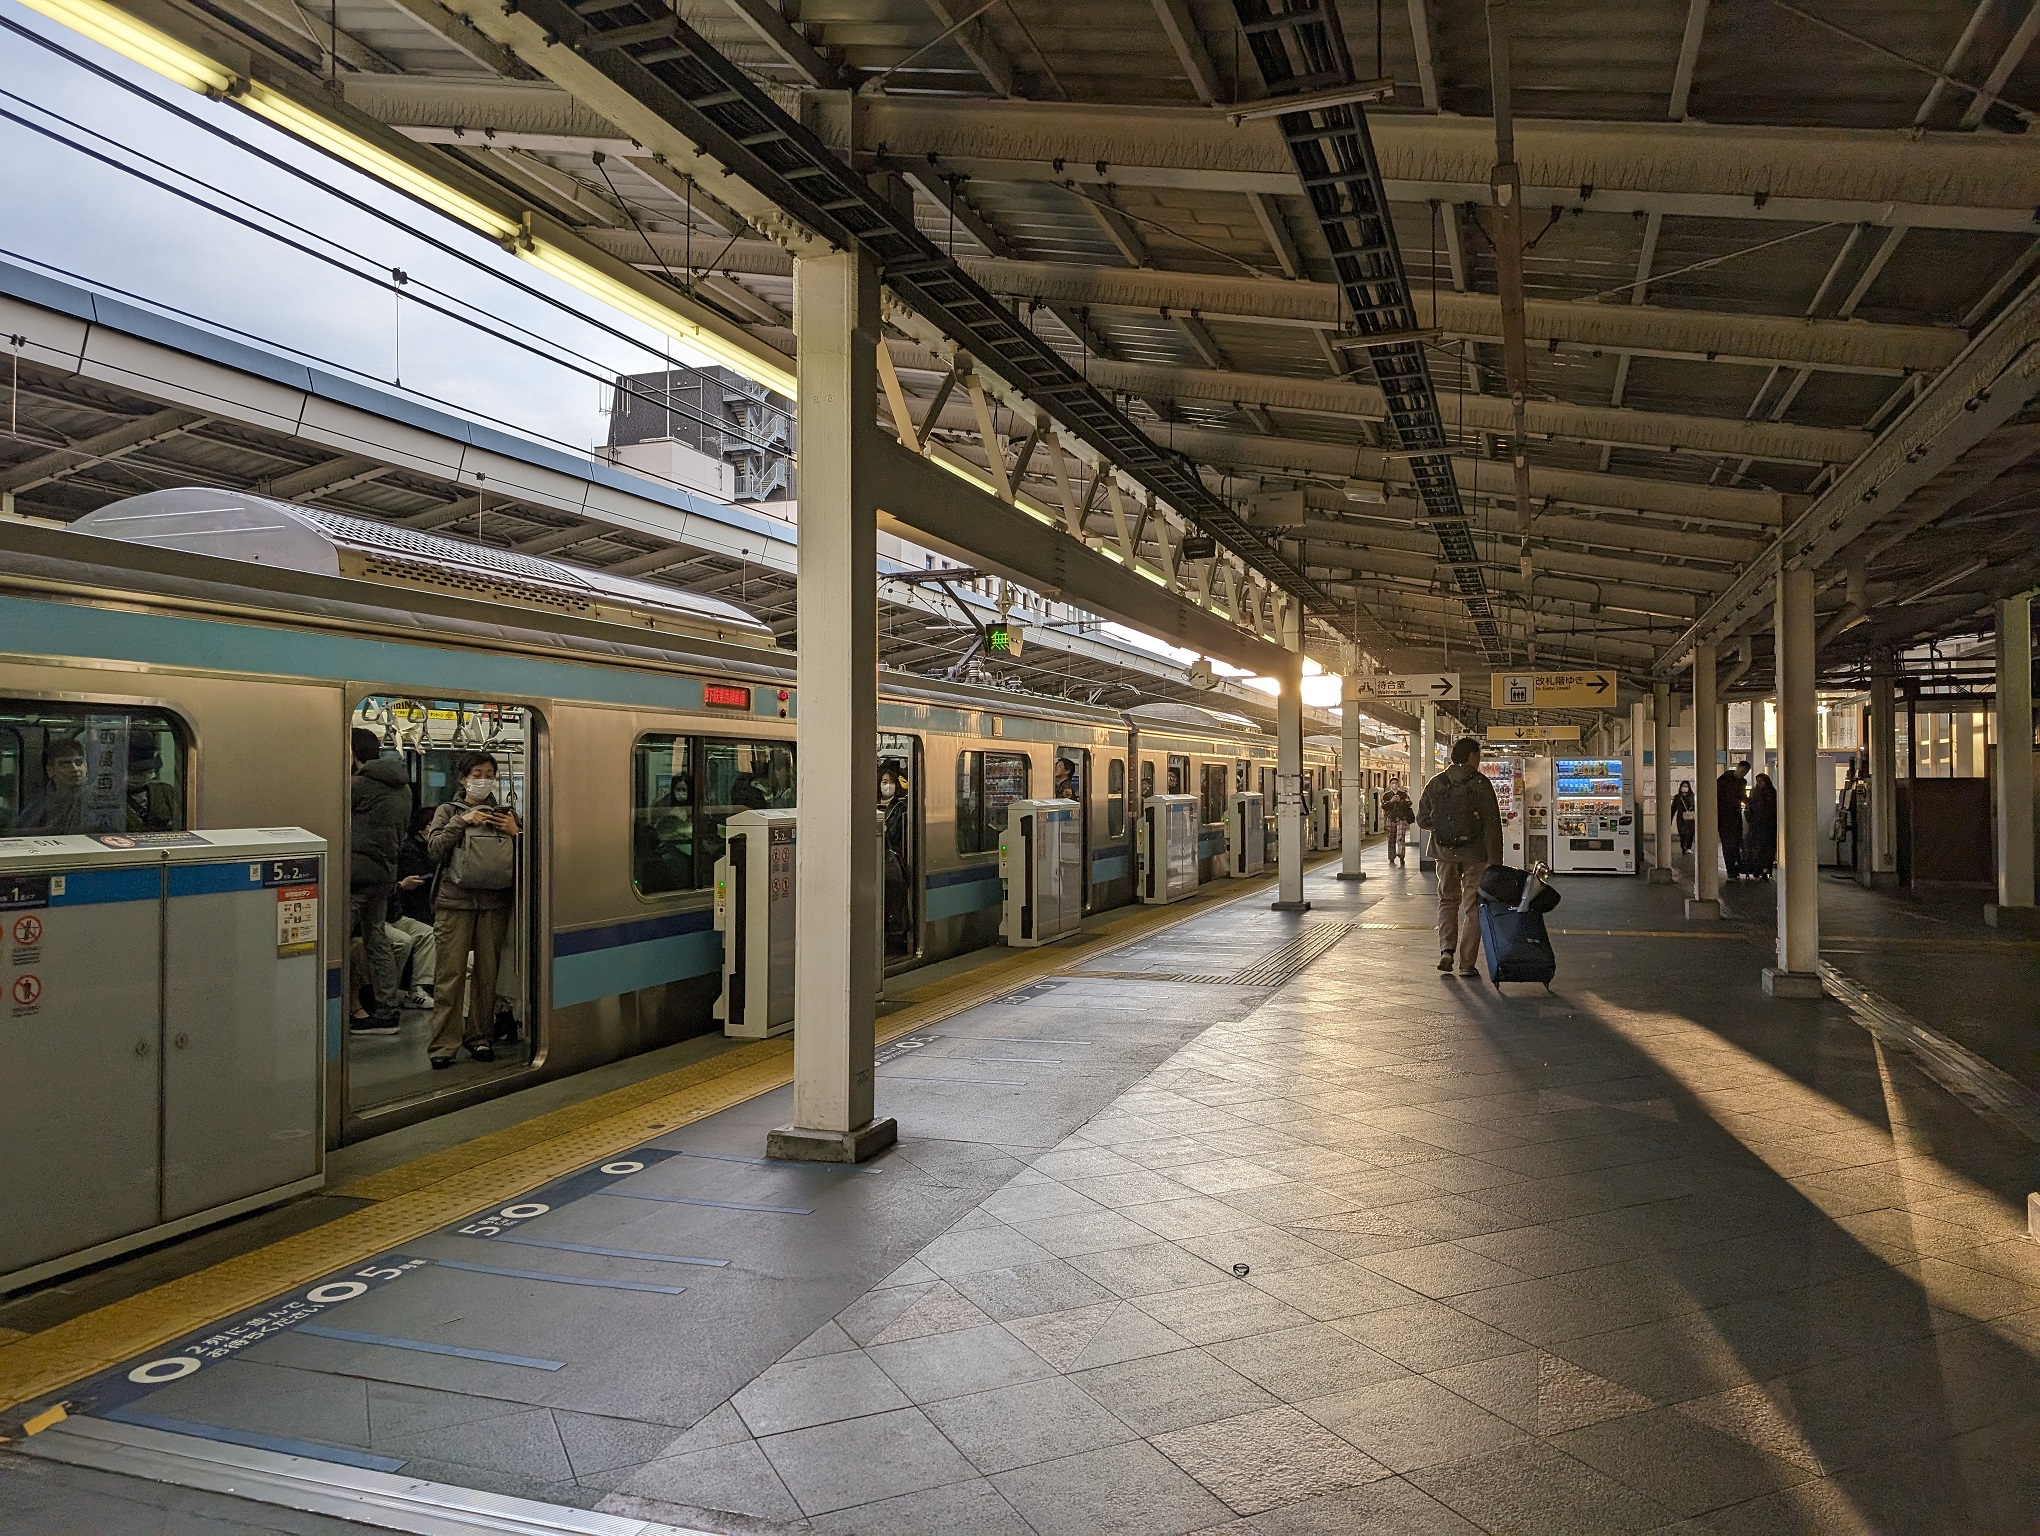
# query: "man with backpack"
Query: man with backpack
1460,812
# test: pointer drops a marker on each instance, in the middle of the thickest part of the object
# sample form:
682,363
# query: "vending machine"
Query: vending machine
1593,828
1506,774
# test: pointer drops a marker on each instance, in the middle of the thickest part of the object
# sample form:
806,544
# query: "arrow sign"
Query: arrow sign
1554,690
1501,733
1416,688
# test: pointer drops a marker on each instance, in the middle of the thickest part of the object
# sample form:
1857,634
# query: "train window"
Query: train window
1115,797
986,783
1147,781
662,814
1217,780
89,768
1069,777
1179,775
1240,769
736,776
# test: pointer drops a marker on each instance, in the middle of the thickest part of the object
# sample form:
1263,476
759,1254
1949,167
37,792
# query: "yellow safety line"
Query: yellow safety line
1652,933
418,1198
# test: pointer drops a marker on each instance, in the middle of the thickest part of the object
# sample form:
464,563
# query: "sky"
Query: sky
99,225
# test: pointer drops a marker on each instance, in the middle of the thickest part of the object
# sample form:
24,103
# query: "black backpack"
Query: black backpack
1455,812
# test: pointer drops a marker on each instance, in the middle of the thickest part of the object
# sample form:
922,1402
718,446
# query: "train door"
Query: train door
899,797
1072,781
441,991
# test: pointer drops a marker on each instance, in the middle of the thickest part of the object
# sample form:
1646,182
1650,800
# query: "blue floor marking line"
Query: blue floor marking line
1018,1061
713,1205
419,1346
539,1274
255,1440
996,1082
778,1162
613,1253
1023,1040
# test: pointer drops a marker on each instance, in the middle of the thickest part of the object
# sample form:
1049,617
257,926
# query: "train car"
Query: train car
213,654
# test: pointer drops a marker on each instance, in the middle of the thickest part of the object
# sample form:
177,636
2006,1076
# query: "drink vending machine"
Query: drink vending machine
1593,828
1506,774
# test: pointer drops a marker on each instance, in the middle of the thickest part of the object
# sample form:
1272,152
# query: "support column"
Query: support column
1289,807
1883,865
1707,736
1423,753
1352,780
1662,871
1632,751
2014,908
836,884
1797,973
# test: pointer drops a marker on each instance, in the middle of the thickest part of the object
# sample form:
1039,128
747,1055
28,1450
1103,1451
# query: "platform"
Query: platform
1226,1219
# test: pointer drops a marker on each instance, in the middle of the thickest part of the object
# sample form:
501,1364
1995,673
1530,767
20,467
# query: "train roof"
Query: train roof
237,525
1195,716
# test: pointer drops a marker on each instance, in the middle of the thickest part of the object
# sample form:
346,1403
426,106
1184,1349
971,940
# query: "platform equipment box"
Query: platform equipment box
163,1039
1041,867
1168,848
1246,836
754,883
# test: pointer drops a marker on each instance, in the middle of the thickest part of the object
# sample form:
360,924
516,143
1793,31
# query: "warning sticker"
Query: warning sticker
297,919
26,993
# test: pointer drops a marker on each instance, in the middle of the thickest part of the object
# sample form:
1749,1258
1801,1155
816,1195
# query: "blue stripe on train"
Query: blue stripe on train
589,963
960,892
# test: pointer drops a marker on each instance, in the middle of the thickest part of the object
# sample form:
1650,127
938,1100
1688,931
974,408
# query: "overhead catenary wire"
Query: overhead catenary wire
495,327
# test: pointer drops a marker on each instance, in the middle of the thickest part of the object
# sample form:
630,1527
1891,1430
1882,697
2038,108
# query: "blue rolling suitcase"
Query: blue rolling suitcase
1518,948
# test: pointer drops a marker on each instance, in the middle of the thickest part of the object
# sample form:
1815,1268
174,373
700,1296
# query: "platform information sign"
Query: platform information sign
1437,687
1554,690
1533,733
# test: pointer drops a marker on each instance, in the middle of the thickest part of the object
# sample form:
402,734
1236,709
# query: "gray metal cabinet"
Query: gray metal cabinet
162,1037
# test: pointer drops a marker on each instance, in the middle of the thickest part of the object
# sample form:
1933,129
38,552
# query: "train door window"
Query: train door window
736,776
89,768
1115,797
986,783
1217,781
899,798
450,977
1241,768
1072,769
1179,775
1147,780
662,814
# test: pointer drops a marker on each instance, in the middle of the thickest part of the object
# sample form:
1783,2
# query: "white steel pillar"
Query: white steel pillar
1289,807
1883,865
2014,907
1632,750
1797,973
836,878
1352,779
1707,735
1662,871
1423,753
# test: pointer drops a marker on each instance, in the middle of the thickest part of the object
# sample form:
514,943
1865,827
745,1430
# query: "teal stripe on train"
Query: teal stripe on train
71,629
633,967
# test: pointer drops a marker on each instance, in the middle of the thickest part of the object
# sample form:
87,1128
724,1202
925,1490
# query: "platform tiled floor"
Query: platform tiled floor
1396,1253
1373,1250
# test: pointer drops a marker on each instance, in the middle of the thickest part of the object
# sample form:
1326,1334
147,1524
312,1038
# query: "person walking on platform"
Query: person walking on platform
473,841
1460,812
1728,807
381,803
1399,813
1760,830
1682,815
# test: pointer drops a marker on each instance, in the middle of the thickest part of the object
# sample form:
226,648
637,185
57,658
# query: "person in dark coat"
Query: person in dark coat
1760,829
1728,808
381,804
1682,815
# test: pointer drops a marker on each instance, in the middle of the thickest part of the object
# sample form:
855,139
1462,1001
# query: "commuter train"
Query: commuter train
211,652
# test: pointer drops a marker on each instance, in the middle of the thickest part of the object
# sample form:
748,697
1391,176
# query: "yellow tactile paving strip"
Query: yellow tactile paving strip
418,1198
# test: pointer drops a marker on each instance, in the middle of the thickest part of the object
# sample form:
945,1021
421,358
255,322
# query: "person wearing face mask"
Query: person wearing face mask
473,842
892,801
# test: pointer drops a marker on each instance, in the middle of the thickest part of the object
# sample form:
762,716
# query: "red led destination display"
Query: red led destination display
725,696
